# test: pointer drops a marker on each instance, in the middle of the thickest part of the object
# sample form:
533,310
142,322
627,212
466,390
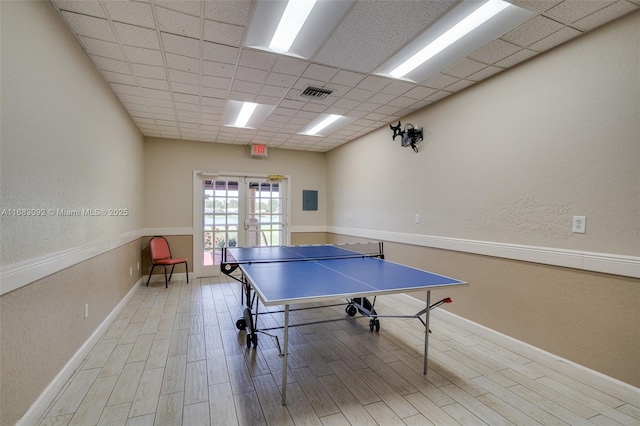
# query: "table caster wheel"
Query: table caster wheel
374,324
255,340
241,324
351,310
249,341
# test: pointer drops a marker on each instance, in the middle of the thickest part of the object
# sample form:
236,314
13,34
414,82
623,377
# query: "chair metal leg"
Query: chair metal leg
153,266
171,274
187,271
166,281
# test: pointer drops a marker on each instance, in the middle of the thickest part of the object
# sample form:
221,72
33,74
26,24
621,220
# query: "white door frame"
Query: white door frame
198,176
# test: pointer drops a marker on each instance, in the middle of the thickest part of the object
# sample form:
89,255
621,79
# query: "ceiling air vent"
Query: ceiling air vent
316,92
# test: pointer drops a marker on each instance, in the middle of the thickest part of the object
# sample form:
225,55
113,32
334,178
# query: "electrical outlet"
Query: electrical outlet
86,310
138,267
417,218
579,224
130,270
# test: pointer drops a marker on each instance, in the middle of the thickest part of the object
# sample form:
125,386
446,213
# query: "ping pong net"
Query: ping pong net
232,257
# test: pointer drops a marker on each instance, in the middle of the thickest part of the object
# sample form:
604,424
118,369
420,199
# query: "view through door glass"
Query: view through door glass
221,213
265,222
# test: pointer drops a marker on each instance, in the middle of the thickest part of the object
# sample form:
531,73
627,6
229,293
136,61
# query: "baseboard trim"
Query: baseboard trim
607,384
37,410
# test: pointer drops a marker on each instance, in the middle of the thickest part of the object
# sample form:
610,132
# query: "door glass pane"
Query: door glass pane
220,218
264,219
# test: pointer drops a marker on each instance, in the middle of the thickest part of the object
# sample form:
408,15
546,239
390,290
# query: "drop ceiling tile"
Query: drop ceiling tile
107,64
209,92
559,37
570,11
246,87
532,31
357,94
89,26
144,56
315,108
188,89
348,78
182,114
219,10
291,66
441,94
267,100
494,52
290,104
157,94
216,82
184,106
192,7
374,83
114,77
149,71
137,36
140,114
164,117
212,103
257,59
402,102
160,110
184,77
440,81
381,98
536,5
375,116
273,91
102,48
178,23
464,68
126,90
419,92
219,32
319,72
605,15
135,107
131,99
182,63
83,7
398,87
346,103
130,12
251,74
459,85
152,83
180,45
219,53
164,103
217,69
280,80
516,58
242,96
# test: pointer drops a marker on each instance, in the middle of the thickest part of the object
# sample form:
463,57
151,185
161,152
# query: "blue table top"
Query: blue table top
288,282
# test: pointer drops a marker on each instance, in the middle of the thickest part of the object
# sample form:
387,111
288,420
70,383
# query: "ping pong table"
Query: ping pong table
292,275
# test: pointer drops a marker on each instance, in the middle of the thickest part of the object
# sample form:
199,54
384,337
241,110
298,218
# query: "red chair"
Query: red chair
161,255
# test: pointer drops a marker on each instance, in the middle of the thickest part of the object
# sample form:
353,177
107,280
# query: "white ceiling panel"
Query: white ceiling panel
174,64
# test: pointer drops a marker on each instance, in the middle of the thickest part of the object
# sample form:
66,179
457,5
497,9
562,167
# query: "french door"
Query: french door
234,211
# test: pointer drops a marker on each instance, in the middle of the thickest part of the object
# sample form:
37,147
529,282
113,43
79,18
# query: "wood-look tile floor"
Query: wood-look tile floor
174,357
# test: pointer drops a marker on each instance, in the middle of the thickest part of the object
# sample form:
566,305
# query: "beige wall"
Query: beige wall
514,158
66,143
511,160
168,177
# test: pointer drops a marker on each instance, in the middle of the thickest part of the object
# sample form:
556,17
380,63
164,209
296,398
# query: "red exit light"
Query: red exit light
258,150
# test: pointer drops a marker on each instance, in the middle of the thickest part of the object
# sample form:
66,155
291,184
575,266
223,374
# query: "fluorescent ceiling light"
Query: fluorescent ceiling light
323,124
293,18
245,114
461,29
305,30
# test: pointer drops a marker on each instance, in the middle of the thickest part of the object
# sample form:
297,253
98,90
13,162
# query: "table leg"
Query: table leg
426,332
284,357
